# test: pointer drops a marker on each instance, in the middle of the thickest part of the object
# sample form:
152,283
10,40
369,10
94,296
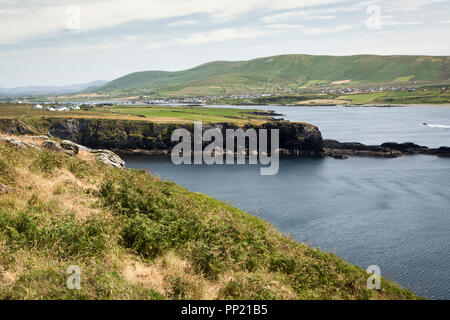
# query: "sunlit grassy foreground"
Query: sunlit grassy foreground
135,236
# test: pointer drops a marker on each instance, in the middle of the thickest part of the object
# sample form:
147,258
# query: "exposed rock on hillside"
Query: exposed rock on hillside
109,158
70,146
19,144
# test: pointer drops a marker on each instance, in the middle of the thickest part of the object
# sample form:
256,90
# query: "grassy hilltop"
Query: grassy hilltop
286,71
135,236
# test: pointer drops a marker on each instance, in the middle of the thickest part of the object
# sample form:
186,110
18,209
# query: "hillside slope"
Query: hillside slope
134,236
287,70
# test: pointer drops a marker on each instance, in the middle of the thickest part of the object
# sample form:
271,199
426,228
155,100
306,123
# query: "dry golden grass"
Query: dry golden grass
67,198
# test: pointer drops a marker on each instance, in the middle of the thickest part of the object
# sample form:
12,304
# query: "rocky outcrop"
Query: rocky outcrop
67,147
20,144
70,146
109,157
72,149
52,145
442,151
338,149
405,148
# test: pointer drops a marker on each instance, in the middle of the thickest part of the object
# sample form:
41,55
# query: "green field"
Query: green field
286,72
213,115
431,96
169,114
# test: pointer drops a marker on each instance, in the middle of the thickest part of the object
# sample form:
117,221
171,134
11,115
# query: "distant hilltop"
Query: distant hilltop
285,72
44,90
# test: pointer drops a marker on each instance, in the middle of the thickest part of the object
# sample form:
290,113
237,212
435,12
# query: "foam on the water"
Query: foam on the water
443,126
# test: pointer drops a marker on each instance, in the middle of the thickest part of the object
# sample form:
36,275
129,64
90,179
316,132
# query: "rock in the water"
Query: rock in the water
443,152
69,145
109,157
407,147
340,156
4,188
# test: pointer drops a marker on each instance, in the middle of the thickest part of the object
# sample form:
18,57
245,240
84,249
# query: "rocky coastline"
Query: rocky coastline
341,150
127,137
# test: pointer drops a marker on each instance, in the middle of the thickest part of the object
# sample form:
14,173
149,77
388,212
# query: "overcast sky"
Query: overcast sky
60,42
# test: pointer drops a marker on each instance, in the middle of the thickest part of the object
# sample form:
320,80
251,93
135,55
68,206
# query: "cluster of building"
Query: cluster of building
368,90
57,108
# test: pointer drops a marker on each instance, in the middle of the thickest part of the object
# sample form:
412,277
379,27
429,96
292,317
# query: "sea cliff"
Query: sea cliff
143,136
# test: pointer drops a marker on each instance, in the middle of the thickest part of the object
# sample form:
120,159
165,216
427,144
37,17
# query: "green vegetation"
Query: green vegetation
430,96
277,100
135,236
281,72
212,115
164,114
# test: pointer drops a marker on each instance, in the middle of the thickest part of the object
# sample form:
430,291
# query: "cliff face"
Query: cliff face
295,138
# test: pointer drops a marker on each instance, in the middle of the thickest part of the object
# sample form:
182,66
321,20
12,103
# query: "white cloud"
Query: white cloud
185,22
321,17
448,21
311,14
64,48
42,18
213,36
285,26
394,21
310,31
220,35
152,45
336,29
409,5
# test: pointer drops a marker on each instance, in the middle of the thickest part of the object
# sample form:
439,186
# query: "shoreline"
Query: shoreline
350,105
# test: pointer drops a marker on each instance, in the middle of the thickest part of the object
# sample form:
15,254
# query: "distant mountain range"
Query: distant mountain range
285,71
42,90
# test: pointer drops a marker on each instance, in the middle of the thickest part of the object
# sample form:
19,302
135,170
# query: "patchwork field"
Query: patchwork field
432,96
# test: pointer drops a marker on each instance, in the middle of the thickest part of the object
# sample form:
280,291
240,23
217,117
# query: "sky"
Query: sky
62,42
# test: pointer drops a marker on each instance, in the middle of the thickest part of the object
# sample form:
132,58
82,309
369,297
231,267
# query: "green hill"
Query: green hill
285,71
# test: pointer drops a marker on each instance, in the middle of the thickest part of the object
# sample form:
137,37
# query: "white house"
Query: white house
38,106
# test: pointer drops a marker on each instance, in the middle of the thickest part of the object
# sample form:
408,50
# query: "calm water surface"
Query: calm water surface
394,213
372,125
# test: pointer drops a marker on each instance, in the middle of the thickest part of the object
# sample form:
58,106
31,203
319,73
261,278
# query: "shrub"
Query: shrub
48,161
70,237
7,173
179,288
142,236
79,168
65,236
